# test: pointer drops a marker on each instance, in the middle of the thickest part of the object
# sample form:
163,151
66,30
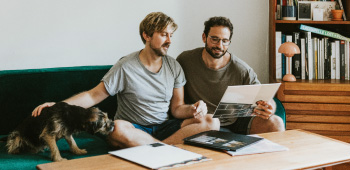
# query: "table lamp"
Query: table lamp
289,49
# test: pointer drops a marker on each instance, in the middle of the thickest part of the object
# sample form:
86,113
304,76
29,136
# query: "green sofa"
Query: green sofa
22,90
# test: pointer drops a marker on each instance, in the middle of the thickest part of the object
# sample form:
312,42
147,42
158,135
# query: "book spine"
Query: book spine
323,32
333,61
315,45
288,59
302,52
278,55
283,57
347,60
296,59
342,60
327,59
337,59
310,56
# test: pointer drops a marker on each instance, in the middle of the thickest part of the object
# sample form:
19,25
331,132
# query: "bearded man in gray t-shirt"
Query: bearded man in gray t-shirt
211,69
148,84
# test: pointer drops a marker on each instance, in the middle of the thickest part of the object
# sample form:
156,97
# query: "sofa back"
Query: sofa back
22,90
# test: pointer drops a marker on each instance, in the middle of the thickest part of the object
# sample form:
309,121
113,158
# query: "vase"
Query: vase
337,15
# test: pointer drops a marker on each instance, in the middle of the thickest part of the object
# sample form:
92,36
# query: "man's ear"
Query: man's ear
204,38
146,37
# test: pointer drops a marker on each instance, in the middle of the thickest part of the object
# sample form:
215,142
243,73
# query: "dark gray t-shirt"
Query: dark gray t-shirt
209,85
143,96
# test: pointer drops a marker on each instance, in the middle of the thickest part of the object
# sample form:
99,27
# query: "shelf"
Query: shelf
331,81
310,22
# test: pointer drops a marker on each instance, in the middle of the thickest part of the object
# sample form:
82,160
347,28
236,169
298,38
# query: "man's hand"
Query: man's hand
199,109
263,109
37,111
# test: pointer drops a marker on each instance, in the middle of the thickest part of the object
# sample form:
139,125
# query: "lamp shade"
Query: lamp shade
289,49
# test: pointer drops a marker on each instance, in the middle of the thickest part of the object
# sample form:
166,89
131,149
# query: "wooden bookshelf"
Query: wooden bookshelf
319,106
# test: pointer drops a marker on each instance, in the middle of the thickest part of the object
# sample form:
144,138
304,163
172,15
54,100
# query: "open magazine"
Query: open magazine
239,101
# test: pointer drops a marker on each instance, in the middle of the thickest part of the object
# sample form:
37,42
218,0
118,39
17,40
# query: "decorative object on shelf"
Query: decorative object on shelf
337,13
318,14
289,49
304,11
289,13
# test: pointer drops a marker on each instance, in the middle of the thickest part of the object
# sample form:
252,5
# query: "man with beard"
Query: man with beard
211,69
147,82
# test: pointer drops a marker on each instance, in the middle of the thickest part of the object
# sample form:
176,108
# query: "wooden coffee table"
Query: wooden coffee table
306,151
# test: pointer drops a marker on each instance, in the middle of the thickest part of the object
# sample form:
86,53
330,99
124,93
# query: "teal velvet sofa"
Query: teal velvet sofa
22,90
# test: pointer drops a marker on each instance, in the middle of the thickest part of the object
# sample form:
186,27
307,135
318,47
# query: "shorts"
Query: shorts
161,131
241,126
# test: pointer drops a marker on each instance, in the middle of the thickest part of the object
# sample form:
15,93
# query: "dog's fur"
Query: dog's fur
60,120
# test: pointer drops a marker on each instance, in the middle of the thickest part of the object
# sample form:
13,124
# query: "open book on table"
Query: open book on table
159,156
239,101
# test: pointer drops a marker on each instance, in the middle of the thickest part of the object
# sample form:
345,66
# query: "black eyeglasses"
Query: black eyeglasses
216,40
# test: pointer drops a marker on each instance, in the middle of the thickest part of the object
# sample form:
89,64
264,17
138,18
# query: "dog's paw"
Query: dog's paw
80,151
59,159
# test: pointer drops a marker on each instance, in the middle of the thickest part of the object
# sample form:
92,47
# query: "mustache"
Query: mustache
216,48
166,45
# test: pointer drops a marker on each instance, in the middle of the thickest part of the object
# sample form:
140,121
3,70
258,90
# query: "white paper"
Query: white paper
156,157
263,146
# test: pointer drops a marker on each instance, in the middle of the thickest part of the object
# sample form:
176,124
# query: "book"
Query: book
240,101
337,59
159,156
262,146
323,32
303,59
327,59
296,59
342,60
333,61
221,140
283,57
278,55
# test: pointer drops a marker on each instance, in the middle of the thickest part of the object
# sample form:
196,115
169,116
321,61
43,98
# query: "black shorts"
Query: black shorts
161,131
241,125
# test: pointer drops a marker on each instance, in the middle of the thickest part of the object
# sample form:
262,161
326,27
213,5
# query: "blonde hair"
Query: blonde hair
155,22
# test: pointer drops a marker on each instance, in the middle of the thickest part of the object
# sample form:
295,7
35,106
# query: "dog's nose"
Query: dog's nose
111,126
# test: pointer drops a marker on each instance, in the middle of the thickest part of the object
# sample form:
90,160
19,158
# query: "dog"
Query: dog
58,121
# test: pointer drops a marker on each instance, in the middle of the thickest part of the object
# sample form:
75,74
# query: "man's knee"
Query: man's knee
276,123
119,137
212,123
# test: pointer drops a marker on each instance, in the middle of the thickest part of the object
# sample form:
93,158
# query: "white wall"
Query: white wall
60,33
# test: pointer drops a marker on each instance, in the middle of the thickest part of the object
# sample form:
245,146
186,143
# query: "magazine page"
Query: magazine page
239,101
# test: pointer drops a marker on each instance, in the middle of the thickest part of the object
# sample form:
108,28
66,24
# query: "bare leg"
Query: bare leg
126,135
73,146
273,124
191,127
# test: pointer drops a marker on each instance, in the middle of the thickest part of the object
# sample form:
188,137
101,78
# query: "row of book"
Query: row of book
325,57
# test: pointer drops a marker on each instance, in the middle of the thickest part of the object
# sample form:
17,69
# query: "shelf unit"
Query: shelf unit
320,106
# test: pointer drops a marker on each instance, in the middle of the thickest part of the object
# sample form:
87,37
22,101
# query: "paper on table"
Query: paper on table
263,146
159,155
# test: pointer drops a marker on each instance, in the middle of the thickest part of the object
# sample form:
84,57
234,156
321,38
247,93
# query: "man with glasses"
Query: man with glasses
148,83
211,69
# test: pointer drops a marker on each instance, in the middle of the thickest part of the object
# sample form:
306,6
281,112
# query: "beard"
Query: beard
160,51
212,53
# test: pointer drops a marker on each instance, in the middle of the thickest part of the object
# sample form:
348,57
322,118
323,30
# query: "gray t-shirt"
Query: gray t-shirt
143,96
209,85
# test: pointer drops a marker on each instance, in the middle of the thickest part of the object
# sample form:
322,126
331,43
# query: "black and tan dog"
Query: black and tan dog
60,120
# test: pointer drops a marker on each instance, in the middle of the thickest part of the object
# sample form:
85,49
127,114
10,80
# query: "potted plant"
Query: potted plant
337,13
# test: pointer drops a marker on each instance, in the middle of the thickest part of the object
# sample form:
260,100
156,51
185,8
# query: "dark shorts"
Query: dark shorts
241,126
163,130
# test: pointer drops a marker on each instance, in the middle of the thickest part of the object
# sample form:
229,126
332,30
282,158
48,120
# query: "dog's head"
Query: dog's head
98,122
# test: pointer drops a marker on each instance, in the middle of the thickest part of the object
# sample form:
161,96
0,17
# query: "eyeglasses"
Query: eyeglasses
216,40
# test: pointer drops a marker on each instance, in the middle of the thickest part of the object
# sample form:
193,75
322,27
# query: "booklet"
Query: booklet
221,140
159,156
240,101
263,146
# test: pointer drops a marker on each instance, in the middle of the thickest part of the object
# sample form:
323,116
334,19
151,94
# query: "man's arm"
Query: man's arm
84,99
181,110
